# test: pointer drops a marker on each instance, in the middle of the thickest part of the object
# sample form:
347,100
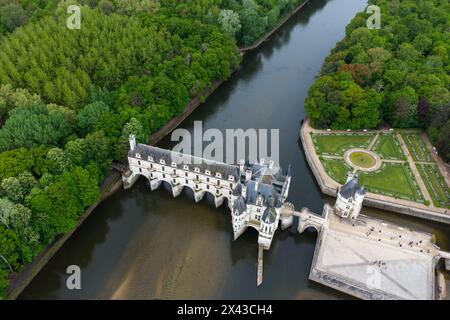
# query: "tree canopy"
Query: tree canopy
399,73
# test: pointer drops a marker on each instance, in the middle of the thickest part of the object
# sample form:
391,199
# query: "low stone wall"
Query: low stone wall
323,186
368,200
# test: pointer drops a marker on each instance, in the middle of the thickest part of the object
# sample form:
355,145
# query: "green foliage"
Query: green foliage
253,24
229,22
14,162
12,16
401,68
35,125
16,188
57,162
11,98
90,115
132,67
58,205
336,101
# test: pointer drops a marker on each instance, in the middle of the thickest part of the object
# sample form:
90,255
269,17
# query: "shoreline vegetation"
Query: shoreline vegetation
398,74
330,183
46,164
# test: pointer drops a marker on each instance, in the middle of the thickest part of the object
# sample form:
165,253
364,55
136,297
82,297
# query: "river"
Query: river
140,244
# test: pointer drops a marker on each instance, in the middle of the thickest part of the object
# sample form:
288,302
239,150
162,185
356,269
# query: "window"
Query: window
140,170
174,181
185,167
138,155
164,176
174,164
207,186
151,166
162,161
139,163
231,178
207,179
218,183
151,175
150,159
185,174
207,172
197,170
218,175
174,171
163,168
196,177
231,186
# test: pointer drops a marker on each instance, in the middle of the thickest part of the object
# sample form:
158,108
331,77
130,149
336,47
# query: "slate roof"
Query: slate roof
269,216
351,188
168,156
240,205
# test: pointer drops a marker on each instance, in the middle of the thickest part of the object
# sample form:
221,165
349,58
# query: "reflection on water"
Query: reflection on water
143,244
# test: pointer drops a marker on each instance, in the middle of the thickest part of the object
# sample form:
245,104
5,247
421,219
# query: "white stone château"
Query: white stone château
350,198
255,193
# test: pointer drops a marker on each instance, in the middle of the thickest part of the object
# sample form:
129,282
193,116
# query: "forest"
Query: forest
69,99
397,75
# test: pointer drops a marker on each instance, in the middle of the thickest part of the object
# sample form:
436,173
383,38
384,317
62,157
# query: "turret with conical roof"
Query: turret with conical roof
350,197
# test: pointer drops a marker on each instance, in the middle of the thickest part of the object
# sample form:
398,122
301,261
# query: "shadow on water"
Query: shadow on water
141,244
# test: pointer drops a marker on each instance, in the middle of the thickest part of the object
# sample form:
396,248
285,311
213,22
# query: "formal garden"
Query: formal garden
336,144
436,185
417,147
382,163
394,180
388,147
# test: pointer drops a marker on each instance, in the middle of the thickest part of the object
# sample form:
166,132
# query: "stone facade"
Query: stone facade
350,198
255,193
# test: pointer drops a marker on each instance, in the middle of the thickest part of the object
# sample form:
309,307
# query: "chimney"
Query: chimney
244,191
248,175
241,167
132,139
257,184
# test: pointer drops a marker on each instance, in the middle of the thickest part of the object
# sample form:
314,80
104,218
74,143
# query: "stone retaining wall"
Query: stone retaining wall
368,200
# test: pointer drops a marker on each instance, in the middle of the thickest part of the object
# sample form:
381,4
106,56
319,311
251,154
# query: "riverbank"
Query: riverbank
275,29
113,182
110,184
330,186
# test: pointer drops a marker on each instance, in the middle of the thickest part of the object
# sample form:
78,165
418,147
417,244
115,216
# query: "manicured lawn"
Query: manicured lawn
388,147
337,144
417,147
436,185
336,169
395,180
362,159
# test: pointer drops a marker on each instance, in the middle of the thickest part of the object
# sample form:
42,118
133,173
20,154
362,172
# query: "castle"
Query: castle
255,193
350,198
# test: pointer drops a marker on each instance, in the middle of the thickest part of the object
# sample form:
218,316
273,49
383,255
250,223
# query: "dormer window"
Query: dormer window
197,170
259,201
231,178
185,167
150,158
162,161
138,155
218,175
207,172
